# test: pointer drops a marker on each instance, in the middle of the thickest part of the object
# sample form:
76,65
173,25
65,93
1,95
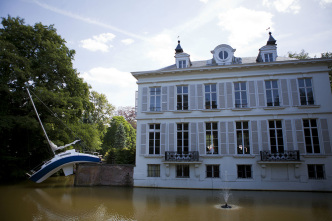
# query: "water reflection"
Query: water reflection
59,200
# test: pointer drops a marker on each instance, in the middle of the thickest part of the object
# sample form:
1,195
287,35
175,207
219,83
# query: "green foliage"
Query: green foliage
120,137
37,58
120,156
301,55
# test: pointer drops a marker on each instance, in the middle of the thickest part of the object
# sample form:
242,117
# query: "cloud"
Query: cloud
98,42
127,41
323,3
284,5
204,1
248,26
119,87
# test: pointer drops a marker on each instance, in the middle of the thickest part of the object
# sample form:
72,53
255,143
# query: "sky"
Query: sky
115,37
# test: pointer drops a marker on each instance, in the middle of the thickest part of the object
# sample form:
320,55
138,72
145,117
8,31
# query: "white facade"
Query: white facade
259,125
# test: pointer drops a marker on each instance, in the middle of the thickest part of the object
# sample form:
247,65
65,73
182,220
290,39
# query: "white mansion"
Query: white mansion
243,123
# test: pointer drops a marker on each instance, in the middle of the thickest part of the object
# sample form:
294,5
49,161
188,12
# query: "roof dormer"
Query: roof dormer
182,60
268,53
224,55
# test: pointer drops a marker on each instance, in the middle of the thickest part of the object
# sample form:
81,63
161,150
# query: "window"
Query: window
242,135
182,138
212,171
268,57
240,94
316,171
244,171
311,135
182,64
182,171
182,98
223,55
154,139
210,96
211,138
305,90
153,170
276,138
272,95
155,94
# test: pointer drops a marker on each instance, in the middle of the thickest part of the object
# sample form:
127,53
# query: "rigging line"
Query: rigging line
56,116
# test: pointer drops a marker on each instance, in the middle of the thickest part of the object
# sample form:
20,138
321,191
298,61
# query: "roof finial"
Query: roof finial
271,40
178,48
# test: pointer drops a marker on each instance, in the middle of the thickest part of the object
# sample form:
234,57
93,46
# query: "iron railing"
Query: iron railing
289,155
184,156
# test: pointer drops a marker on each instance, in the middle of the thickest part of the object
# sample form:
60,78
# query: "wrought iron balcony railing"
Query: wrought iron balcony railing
289,155
185,156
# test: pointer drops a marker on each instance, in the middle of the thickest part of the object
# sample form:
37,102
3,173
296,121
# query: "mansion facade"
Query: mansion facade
261,123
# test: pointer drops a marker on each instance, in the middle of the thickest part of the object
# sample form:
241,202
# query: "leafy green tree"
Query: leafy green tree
301,55
37,58
120,137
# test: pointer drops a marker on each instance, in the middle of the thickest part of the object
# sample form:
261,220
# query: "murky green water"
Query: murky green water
57,199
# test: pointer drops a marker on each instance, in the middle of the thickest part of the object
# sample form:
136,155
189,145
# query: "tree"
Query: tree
37,58
301,55
102,113
120,137
129,113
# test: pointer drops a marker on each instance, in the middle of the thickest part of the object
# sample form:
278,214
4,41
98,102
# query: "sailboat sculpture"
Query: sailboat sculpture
64,160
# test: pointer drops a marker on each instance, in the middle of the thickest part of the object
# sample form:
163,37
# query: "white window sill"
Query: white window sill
211,156
308,106
182,111
153,156
241,109
153,112
317,155
244,156
274,108
211,110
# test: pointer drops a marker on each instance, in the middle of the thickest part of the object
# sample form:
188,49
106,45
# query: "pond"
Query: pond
58,199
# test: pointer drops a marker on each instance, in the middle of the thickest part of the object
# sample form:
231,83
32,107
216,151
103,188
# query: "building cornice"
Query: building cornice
233,67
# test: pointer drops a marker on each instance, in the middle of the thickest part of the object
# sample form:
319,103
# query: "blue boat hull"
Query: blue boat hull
53,167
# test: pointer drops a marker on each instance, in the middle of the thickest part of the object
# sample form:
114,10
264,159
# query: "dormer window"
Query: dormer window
182,64
223,55
268,57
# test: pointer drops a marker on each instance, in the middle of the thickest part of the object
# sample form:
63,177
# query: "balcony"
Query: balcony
181,157
290,155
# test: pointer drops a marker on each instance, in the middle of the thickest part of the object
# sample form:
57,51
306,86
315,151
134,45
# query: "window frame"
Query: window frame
154,142
305,89
210,92
269,57
241,92
180,105
247,172
314,174
154,99
181,134
211,130
182,63
271,91
212,171
242,130
153,170
275,144
314,144
184,169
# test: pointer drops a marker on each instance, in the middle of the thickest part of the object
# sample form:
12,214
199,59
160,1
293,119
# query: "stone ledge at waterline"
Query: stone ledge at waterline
88,174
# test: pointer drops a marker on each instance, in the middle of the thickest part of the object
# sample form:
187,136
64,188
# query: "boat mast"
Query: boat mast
41,124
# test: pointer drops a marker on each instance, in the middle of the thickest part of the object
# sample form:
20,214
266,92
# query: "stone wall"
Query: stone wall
88,174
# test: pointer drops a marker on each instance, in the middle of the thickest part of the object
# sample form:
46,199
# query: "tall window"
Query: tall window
182,98
272,94
153,170
212,171
210,96
276,138
182,138
211,138
242,135
240,89
268,57
154,139
182,171
155,94
316,171
306,93
182,64
311,135
244,171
